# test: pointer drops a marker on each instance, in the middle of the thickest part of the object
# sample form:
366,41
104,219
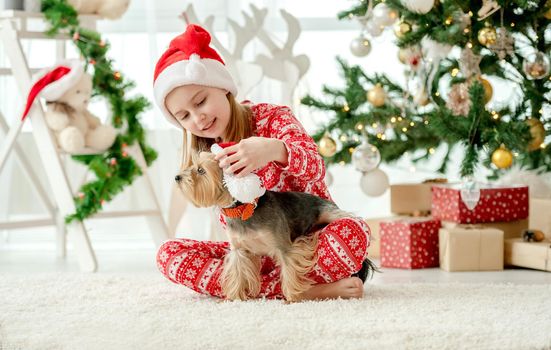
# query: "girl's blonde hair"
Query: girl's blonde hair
240,126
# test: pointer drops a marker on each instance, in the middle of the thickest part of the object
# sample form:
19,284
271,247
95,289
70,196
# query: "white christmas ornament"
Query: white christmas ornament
384,15
374,28
244,189
418,6
360,46
366,157
470,193
488,8
374,183
433,50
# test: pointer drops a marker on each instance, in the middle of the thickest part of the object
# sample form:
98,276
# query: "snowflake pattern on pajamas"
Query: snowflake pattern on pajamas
337,258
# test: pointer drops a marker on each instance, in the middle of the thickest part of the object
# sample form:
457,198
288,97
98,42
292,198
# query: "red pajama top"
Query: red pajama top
305,171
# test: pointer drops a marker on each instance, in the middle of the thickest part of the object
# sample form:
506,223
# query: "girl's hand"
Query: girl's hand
250,154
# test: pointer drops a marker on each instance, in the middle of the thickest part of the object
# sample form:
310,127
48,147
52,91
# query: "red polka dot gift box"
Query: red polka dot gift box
496,204
410,243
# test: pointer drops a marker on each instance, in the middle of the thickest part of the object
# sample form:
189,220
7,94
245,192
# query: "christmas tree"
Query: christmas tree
449,49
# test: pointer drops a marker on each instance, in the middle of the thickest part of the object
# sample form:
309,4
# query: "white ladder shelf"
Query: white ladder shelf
13,28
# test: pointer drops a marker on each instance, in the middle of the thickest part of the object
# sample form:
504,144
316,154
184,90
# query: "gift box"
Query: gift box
375,243
511,229
540,215
470,248
410,199
534,255
497,203
410,243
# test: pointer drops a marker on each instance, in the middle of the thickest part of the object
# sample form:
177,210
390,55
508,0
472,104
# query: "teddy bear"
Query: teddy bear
74,126
110,9
67,89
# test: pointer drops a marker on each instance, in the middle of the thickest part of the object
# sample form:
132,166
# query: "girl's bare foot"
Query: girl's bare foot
351,287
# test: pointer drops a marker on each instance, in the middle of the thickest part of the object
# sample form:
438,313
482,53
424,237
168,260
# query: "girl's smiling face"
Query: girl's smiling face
204,111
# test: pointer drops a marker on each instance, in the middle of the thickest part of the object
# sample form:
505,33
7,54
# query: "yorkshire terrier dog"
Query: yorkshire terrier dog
279,226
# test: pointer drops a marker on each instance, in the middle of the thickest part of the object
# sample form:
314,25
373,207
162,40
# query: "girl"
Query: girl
196,93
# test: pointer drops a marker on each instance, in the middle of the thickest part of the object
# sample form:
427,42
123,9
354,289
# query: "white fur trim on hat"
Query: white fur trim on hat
56,89
206,72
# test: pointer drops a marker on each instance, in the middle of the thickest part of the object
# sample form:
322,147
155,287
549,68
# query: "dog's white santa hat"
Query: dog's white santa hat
245,189
189,60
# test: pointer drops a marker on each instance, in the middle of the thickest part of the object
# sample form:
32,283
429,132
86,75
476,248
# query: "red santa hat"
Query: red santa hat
188,60
52,82
244,189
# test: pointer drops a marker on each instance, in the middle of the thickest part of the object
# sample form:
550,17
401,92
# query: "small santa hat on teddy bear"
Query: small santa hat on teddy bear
51,83
245,189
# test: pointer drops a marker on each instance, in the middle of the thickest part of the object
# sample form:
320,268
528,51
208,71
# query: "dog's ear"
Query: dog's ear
194,157
205,155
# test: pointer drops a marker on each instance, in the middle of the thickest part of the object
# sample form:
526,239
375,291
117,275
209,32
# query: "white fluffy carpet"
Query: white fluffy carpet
99,311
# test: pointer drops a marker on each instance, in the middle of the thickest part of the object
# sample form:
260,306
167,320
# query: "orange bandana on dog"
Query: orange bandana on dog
243,211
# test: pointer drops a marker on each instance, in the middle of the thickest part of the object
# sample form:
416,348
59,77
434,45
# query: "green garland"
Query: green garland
420,131
114,169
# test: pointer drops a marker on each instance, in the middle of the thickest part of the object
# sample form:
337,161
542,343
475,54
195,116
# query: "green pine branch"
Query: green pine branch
409,128
114,169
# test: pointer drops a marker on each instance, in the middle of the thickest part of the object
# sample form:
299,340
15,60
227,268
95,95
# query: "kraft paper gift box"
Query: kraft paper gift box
374,248
534,255
511,229
410,243
407,199
496,204
540,215
471,248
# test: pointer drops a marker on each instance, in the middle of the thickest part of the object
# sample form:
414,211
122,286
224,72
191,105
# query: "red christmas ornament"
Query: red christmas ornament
92,61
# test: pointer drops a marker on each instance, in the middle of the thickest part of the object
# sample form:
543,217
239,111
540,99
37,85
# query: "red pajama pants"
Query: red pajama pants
342,246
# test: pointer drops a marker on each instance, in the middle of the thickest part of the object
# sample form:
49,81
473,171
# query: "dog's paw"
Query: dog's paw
293,288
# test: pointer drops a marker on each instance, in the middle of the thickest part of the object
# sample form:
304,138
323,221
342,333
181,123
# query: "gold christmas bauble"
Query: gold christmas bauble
402,28
487,36
537,131
327,146
488,90
502,158
547,14
376,96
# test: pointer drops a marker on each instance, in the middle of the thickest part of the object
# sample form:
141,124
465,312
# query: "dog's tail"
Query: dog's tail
367,270
330,212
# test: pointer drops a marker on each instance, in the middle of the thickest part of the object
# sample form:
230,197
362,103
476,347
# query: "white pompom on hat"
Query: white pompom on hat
244,189
188,60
